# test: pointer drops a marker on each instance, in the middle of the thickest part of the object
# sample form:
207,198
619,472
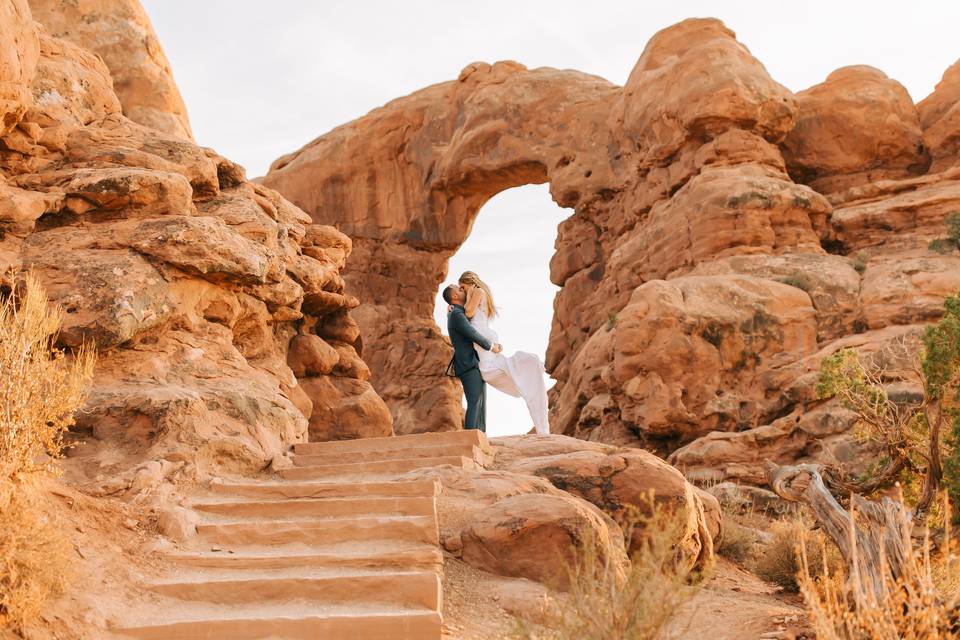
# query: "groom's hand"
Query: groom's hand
497,348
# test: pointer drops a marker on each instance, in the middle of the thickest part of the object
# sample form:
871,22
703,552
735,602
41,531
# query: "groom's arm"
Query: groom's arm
459,322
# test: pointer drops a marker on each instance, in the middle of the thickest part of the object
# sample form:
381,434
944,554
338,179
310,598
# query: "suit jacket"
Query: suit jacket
463,336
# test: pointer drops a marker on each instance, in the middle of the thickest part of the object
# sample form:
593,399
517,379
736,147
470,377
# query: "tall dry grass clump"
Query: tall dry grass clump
913,606
778,561
40,387
603,603
40,390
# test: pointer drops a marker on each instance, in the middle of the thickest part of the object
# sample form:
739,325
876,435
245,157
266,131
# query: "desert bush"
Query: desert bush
859,261
40,386
779,560
603,603
739,542
952,242
912,606
911,433
797,280
34,556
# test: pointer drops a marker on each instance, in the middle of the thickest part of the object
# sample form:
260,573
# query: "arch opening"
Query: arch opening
510,246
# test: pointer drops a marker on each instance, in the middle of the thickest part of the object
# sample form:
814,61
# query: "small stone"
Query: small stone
453,543
178,524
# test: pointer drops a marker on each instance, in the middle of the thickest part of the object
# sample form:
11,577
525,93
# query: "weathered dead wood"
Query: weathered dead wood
874,537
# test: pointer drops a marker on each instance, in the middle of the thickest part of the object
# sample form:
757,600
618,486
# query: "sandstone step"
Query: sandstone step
412,441
308,489
407,588
320,531
439,451
384,555
291,623
383,467
401,506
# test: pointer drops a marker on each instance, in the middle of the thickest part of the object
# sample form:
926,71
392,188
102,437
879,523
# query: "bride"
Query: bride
519,375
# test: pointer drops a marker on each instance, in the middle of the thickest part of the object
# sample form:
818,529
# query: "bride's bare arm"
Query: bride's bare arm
474,297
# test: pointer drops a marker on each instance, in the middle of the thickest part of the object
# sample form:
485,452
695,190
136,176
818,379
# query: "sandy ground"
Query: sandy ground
737,605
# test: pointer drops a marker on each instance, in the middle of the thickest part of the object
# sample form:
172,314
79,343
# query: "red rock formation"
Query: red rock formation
119,31
701,281
856,127
940,118
190,280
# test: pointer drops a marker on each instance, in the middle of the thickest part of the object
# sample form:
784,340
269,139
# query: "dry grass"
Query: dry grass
739,542
40,389
779,562
603,603
35,559
914,607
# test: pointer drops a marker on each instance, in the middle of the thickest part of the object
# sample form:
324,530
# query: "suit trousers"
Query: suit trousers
475,390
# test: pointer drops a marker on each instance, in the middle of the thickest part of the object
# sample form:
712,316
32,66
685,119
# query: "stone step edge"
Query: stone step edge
335,489
467,451
471,436
205,504
400,465
411,621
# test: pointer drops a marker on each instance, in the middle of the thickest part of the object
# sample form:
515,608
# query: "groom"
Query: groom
465,362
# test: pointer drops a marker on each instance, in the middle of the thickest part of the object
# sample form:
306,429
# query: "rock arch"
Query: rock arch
696,291
424,166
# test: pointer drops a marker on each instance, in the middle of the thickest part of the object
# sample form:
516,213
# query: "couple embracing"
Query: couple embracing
478,357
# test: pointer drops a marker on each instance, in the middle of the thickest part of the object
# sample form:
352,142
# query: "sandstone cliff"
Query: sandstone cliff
725,234
119,31
199,288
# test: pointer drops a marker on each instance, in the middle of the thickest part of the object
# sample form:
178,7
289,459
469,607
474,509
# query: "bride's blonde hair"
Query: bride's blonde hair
469,277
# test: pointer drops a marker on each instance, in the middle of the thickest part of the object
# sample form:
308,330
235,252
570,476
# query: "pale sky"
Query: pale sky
261,79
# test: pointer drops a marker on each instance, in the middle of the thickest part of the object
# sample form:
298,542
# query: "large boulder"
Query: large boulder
857,126
345,408
627,484
684,357
541,537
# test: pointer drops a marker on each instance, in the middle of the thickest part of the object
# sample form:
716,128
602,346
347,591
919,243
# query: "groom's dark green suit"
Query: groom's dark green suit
465,364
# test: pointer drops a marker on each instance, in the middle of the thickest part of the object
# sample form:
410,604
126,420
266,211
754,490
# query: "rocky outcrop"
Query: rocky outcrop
856,127
119,31
627,484
19,51
545,499
538,536
190,280
940,118
723,233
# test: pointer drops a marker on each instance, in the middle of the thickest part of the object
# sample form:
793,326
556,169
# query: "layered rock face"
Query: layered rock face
191,281
725,234
119,31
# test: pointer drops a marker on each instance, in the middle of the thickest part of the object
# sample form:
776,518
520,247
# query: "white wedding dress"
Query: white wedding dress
519,375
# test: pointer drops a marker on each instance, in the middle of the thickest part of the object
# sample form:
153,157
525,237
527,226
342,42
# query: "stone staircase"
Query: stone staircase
337,548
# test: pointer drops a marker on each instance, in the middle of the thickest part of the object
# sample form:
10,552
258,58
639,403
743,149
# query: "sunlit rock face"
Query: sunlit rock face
191,281
119,31
724,235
